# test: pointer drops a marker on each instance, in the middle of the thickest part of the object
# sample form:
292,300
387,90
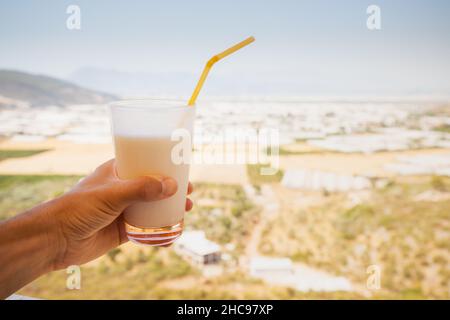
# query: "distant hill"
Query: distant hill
179,84
40,90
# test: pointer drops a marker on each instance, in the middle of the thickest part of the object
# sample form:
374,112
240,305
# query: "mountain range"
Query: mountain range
40,90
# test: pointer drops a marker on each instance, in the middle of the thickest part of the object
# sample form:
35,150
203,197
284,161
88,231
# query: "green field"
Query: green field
7,154
443,128
21,192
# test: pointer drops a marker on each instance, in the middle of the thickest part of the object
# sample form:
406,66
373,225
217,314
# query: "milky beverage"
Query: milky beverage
146,136
138,156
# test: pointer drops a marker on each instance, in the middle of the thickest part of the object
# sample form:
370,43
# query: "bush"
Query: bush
353,221
439,184
256,178
112,254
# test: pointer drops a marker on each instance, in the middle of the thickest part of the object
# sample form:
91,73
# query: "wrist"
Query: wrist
51,233
44,234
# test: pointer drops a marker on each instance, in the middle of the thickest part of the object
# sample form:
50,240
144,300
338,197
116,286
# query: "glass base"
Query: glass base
159,236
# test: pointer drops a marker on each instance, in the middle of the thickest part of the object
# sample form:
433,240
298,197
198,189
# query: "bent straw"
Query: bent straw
211,62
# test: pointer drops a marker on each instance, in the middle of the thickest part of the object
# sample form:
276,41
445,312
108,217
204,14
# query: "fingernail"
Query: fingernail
169,186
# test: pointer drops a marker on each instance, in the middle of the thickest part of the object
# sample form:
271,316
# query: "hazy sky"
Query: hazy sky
303,47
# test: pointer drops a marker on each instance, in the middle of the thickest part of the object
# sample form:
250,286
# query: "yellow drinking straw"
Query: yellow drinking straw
211,62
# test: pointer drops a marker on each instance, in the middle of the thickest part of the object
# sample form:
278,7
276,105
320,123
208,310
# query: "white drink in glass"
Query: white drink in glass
144,144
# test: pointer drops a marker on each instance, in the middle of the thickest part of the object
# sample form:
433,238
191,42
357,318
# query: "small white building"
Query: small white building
281,271
263,266
194,246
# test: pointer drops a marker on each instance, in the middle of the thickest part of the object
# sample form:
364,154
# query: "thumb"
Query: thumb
146,188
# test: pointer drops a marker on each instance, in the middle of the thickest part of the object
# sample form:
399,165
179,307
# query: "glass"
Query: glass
153,137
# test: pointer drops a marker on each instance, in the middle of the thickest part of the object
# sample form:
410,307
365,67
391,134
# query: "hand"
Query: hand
89,220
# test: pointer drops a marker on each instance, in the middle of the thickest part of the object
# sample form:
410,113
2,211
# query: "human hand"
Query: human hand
88,220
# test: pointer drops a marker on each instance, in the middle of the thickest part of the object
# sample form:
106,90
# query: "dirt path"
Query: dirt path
269,208
251,249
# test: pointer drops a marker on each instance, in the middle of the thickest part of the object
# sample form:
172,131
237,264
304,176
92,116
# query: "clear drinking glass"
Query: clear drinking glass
148,139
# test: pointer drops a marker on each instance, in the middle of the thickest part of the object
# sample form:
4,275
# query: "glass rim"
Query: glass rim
150,104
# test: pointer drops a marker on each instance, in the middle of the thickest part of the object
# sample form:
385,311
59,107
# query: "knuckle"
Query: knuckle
150,188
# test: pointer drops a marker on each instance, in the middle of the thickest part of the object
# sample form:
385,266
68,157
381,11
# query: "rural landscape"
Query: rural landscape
360,184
